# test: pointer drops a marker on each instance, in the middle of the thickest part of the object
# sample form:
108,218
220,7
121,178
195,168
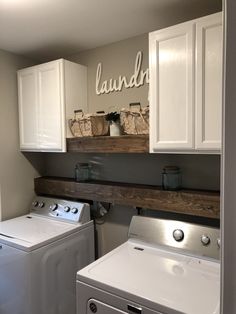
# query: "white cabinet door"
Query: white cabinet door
28,110
47,92
209,82
172,88
51,105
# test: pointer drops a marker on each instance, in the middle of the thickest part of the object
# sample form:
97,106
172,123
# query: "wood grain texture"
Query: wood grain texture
109,144
190,202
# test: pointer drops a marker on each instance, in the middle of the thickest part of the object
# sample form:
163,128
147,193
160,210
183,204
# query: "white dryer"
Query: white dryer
165,266
40,254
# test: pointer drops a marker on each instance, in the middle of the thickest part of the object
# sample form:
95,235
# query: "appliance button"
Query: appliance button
74,210
66,209
93,307
218,243
41,204
178,235
35,203
53,207
205,240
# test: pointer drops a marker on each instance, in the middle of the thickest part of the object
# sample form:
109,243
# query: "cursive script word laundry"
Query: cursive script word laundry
116,85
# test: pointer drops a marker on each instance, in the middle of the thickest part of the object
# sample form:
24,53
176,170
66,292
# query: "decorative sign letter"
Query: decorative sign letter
116,85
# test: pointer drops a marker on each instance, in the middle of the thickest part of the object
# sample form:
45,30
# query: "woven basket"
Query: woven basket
89,124
135,120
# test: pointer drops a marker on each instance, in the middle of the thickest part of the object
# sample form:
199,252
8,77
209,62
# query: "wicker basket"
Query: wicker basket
89,124
135,120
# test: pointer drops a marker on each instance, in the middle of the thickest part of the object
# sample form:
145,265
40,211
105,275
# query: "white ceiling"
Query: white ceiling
47,29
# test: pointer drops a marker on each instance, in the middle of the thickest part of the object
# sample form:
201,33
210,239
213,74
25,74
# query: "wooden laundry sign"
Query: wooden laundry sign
138,78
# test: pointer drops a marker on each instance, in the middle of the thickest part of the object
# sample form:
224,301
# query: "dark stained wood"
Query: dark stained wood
109,144
190,202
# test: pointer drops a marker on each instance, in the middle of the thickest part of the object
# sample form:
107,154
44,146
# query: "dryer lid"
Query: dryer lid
163,280
29,232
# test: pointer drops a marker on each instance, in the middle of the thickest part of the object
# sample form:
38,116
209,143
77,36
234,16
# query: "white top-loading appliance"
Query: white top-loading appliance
40,254
165,267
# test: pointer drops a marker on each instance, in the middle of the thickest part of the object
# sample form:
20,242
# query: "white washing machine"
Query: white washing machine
165,266
40,254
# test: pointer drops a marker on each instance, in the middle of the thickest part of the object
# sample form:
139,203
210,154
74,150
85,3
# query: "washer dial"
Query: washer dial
53,207
74,210
66,209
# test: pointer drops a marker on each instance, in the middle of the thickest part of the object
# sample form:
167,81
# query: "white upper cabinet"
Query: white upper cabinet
48,95
209,82
171,87
27,91
185,86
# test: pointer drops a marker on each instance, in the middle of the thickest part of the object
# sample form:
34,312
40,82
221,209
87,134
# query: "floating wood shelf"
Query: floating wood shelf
109,144
190,202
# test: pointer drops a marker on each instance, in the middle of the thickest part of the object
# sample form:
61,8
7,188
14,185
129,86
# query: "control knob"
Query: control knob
53,207
35,203
74,210
66,209
41,204
218,243
205,240
178,235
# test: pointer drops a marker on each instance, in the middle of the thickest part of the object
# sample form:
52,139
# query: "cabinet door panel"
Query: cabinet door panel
172,88
209,82
51,106
27,97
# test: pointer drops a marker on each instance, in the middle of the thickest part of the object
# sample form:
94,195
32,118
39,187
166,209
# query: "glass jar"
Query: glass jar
171,178
82,171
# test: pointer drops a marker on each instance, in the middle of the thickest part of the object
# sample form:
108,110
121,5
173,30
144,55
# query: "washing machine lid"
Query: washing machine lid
157,278
29,232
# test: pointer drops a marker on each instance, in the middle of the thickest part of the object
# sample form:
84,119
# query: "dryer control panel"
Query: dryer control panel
69,211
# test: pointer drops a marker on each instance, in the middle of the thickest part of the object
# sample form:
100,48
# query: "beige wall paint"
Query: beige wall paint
16,170
117,59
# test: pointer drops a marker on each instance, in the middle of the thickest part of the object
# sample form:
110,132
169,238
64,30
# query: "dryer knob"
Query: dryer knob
66,209
218,243
205,240
178,235
35,203
41,204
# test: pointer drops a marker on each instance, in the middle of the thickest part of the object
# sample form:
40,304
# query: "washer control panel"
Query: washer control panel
66,210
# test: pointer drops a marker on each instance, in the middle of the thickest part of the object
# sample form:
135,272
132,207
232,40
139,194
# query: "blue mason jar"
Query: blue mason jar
171,178
82,171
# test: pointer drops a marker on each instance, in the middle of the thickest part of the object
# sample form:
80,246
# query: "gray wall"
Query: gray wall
16,171
117,59
199,171
202,172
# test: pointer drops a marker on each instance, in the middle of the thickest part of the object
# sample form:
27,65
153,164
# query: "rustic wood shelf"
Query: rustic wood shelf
190,202
109,144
